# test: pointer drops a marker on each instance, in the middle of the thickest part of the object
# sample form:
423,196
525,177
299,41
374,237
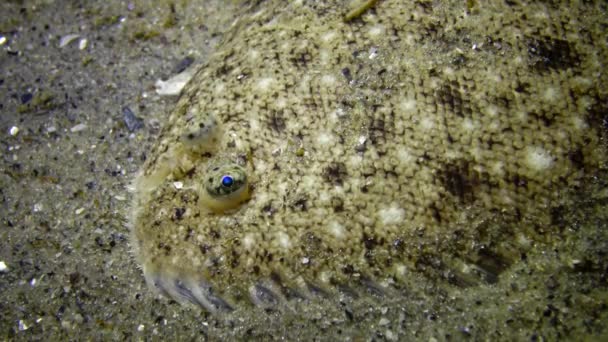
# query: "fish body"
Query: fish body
313,154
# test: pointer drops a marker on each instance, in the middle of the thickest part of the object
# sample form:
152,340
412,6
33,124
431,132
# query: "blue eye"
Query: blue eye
227,181
225,187
224,180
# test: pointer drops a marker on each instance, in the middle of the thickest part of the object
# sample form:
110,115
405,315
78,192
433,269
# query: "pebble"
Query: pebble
3,267
14,130
184,64
175,84
65,40
2,40
83,44
133,122
78,128
373,52
27,97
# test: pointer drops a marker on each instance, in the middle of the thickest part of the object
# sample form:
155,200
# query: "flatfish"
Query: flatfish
326,149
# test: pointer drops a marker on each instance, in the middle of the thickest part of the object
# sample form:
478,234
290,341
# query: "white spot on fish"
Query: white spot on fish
469,125
405,157
336,229
401,270
551,94
427,124
265,84
254,55
328,80
408,105
538,159
219,88
283,240
328,36
498,168
324,139
391,215
248,241
492,111
376,31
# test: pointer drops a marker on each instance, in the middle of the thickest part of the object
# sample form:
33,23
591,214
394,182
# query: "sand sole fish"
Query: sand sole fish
317,155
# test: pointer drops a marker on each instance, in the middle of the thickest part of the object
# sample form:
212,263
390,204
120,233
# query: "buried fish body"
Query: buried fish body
316,154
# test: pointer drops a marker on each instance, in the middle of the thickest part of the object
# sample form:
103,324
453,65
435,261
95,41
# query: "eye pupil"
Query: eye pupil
227,180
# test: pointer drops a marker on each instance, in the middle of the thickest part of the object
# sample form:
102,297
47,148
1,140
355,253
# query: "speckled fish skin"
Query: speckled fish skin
405,142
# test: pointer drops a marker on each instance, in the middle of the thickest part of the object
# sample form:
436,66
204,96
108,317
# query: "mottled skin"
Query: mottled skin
405,141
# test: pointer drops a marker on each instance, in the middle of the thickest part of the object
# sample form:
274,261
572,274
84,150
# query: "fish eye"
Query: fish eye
225,187
201,134
227,181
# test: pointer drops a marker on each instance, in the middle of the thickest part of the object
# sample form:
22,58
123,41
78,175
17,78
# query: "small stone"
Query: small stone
175,84
133,122
78,128
66,324
384,321
141,327
79,211
305,260
25,98
78,318
178,185
373,53
3,267
184,64
14,130
83,44
2,40
65,40
22,325
362,140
